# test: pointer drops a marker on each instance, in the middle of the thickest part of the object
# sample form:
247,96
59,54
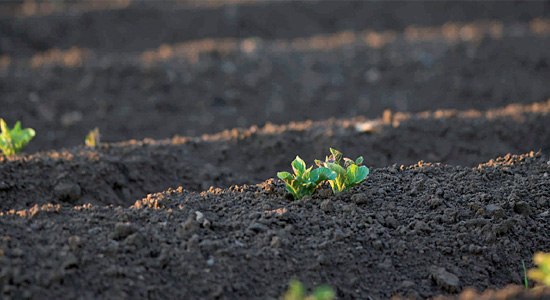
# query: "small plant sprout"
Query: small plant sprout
12,140
542,273
296,291
92,139
304,181
352,173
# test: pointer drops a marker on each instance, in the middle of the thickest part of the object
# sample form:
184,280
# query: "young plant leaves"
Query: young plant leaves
323,293
336,155
349,175
296,291
92,139
299,166
304,181
13,140
355,175
542,273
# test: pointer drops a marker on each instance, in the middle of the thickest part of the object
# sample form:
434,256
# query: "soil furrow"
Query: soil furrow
120,173
210,85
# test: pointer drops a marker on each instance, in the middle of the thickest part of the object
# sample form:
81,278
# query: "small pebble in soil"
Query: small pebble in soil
136,239
377,245
199,216
210,261
75,242
522,207
122,230
327,206
258,227
275,242
67,192
391,222
3,186
322,259
444,279
494,211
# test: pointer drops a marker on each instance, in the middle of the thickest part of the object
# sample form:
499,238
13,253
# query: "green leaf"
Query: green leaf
355,175
306,174
294,185
350,174
338,183
299,166
17,126
321,174
348,162
6,145
285,176
323,293
93,138
12,141
336,155
361,174
296,291
22,138
306,181
292,191
319,163
359,160
4,127
340,171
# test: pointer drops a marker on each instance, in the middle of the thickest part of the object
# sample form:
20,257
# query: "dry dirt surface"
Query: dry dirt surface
201,103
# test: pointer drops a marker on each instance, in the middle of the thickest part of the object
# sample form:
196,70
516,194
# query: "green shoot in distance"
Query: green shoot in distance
296,291
351,174
12,140
304,181
92,139
542,274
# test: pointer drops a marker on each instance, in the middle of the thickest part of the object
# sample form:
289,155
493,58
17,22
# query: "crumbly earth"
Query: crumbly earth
416,231
447,102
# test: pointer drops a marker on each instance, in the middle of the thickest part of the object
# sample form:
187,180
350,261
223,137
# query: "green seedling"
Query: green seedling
12,140
304,181
542,273
296,291
92,139
351,174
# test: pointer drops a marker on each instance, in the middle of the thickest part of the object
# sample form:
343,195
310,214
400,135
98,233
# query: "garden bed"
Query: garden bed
448,103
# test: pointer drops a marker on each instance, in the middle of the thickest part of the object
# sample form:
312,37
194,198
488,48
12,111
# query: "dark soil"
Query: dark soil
199,82
180,200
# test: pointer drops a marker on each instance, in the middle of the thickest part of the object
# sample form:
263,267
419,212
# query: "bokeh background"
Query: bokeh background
156,69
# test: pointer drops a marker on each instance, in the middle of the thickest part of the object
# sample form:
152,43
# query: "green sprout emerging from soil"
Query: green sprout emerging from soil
92,139
296,291
13,140
542,273
351,174
525,281
304,181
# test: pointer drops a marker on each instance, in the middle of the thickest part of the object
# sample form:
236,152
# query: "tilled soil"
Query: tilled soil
120,173
448,102
417,231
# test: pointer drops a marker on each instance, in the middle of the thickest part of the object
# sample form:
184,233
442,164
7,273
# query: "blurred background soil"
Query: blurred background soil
456,82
